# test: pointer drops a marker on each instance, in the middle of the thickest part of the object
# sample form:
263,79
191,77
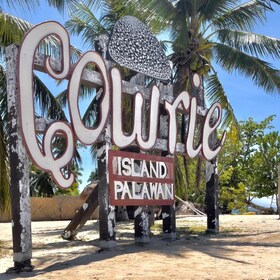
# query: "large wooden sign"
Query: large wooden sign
139,179
110,106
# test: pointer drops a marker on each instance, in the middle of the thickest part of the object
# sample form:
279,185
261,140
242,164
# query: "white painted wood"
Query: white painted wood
93,78
43,158
87,135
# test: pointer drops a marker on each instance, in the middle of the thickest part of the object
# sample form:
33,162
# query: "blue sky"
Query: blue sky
246,99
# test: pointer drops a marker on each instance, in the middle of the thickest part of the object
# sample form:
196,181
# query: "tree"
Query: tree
248,165
42,185
231,181
202,33
209,31
93,176
12,30
266,159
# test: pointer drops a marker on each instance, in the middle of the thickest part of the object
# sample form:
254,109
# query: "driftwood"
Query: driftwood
191,207
263,210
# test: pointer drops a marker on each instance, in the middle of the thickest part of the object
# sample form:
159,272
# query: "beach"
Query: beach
247,247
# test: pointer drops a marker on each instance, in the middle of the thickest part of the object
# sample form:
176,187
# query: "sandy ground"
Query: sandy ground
248,247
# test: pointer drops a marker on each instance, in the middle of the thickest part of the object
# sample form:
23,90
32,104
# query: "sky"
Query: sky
246,99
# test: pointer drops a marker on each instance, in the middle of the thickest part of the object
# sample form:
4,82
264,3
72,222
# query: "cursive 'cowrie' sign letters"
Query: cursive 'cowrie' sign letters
43,155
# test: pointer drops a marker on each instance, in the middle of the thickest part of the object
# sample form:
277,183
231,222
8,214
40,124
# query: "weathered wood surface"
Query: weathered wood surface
212,197
93,78
160,145
19,172
168,211
82,216
141,225
141,216
107,215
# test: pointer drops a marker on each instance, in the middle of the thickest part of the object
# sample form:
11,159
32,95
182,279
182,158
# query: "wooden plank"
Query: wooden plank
92,78
160,145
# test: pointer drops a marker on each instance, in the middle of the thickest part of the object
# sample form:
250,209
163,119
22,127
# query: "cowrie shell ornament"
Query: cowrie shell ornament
133,46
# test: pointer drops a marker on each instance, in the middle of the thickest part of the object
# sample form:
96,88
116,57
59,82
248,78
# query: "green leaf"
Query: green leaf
215,93
244,16
260,72
251,43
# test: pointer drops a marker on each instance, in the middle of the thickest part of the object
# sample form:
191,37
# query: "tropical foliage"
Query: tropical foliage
12,31
208,32
93,176
248,165
201,35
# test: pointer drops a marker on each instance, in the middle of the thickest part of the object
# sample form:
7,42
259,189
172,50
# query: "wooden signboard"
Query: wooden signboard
140,179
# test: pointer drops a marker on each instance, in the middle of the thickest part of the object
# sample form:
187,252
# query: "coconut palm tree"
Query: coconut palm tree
12,31
204,33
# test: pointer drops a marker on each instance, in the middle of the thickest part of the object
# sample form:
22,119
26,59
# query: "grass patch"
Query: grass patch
4,248
156,229
230,229
181,230
2,251
190,229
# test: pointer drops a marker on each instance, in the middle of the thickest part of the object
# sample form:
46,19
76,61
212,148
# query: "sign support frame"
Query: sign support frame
19,173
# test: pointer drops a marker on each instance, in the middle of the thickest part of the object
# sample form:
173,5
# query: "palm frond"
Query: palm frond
12,29
47,102
156,14
61,98
215,93
260,72
93,152
212,9
84,22
90,115
244,16
4,161
251,43
4,170
69,7
3,98
23,4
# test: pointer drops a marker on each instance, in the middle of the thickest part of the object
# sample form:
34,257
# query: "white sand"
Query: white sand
247,248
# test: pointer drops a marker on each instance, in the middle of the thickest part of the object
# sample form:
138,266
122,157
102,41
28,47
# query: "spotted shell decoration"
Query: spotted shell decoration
132,45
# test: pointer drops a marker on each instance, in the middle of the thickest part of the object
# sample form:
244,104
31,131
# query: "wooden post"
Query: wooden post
168,212
169,222
141,216
107,216
141,225
212,188
19,172
211,199
82,216
107,220
278,195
